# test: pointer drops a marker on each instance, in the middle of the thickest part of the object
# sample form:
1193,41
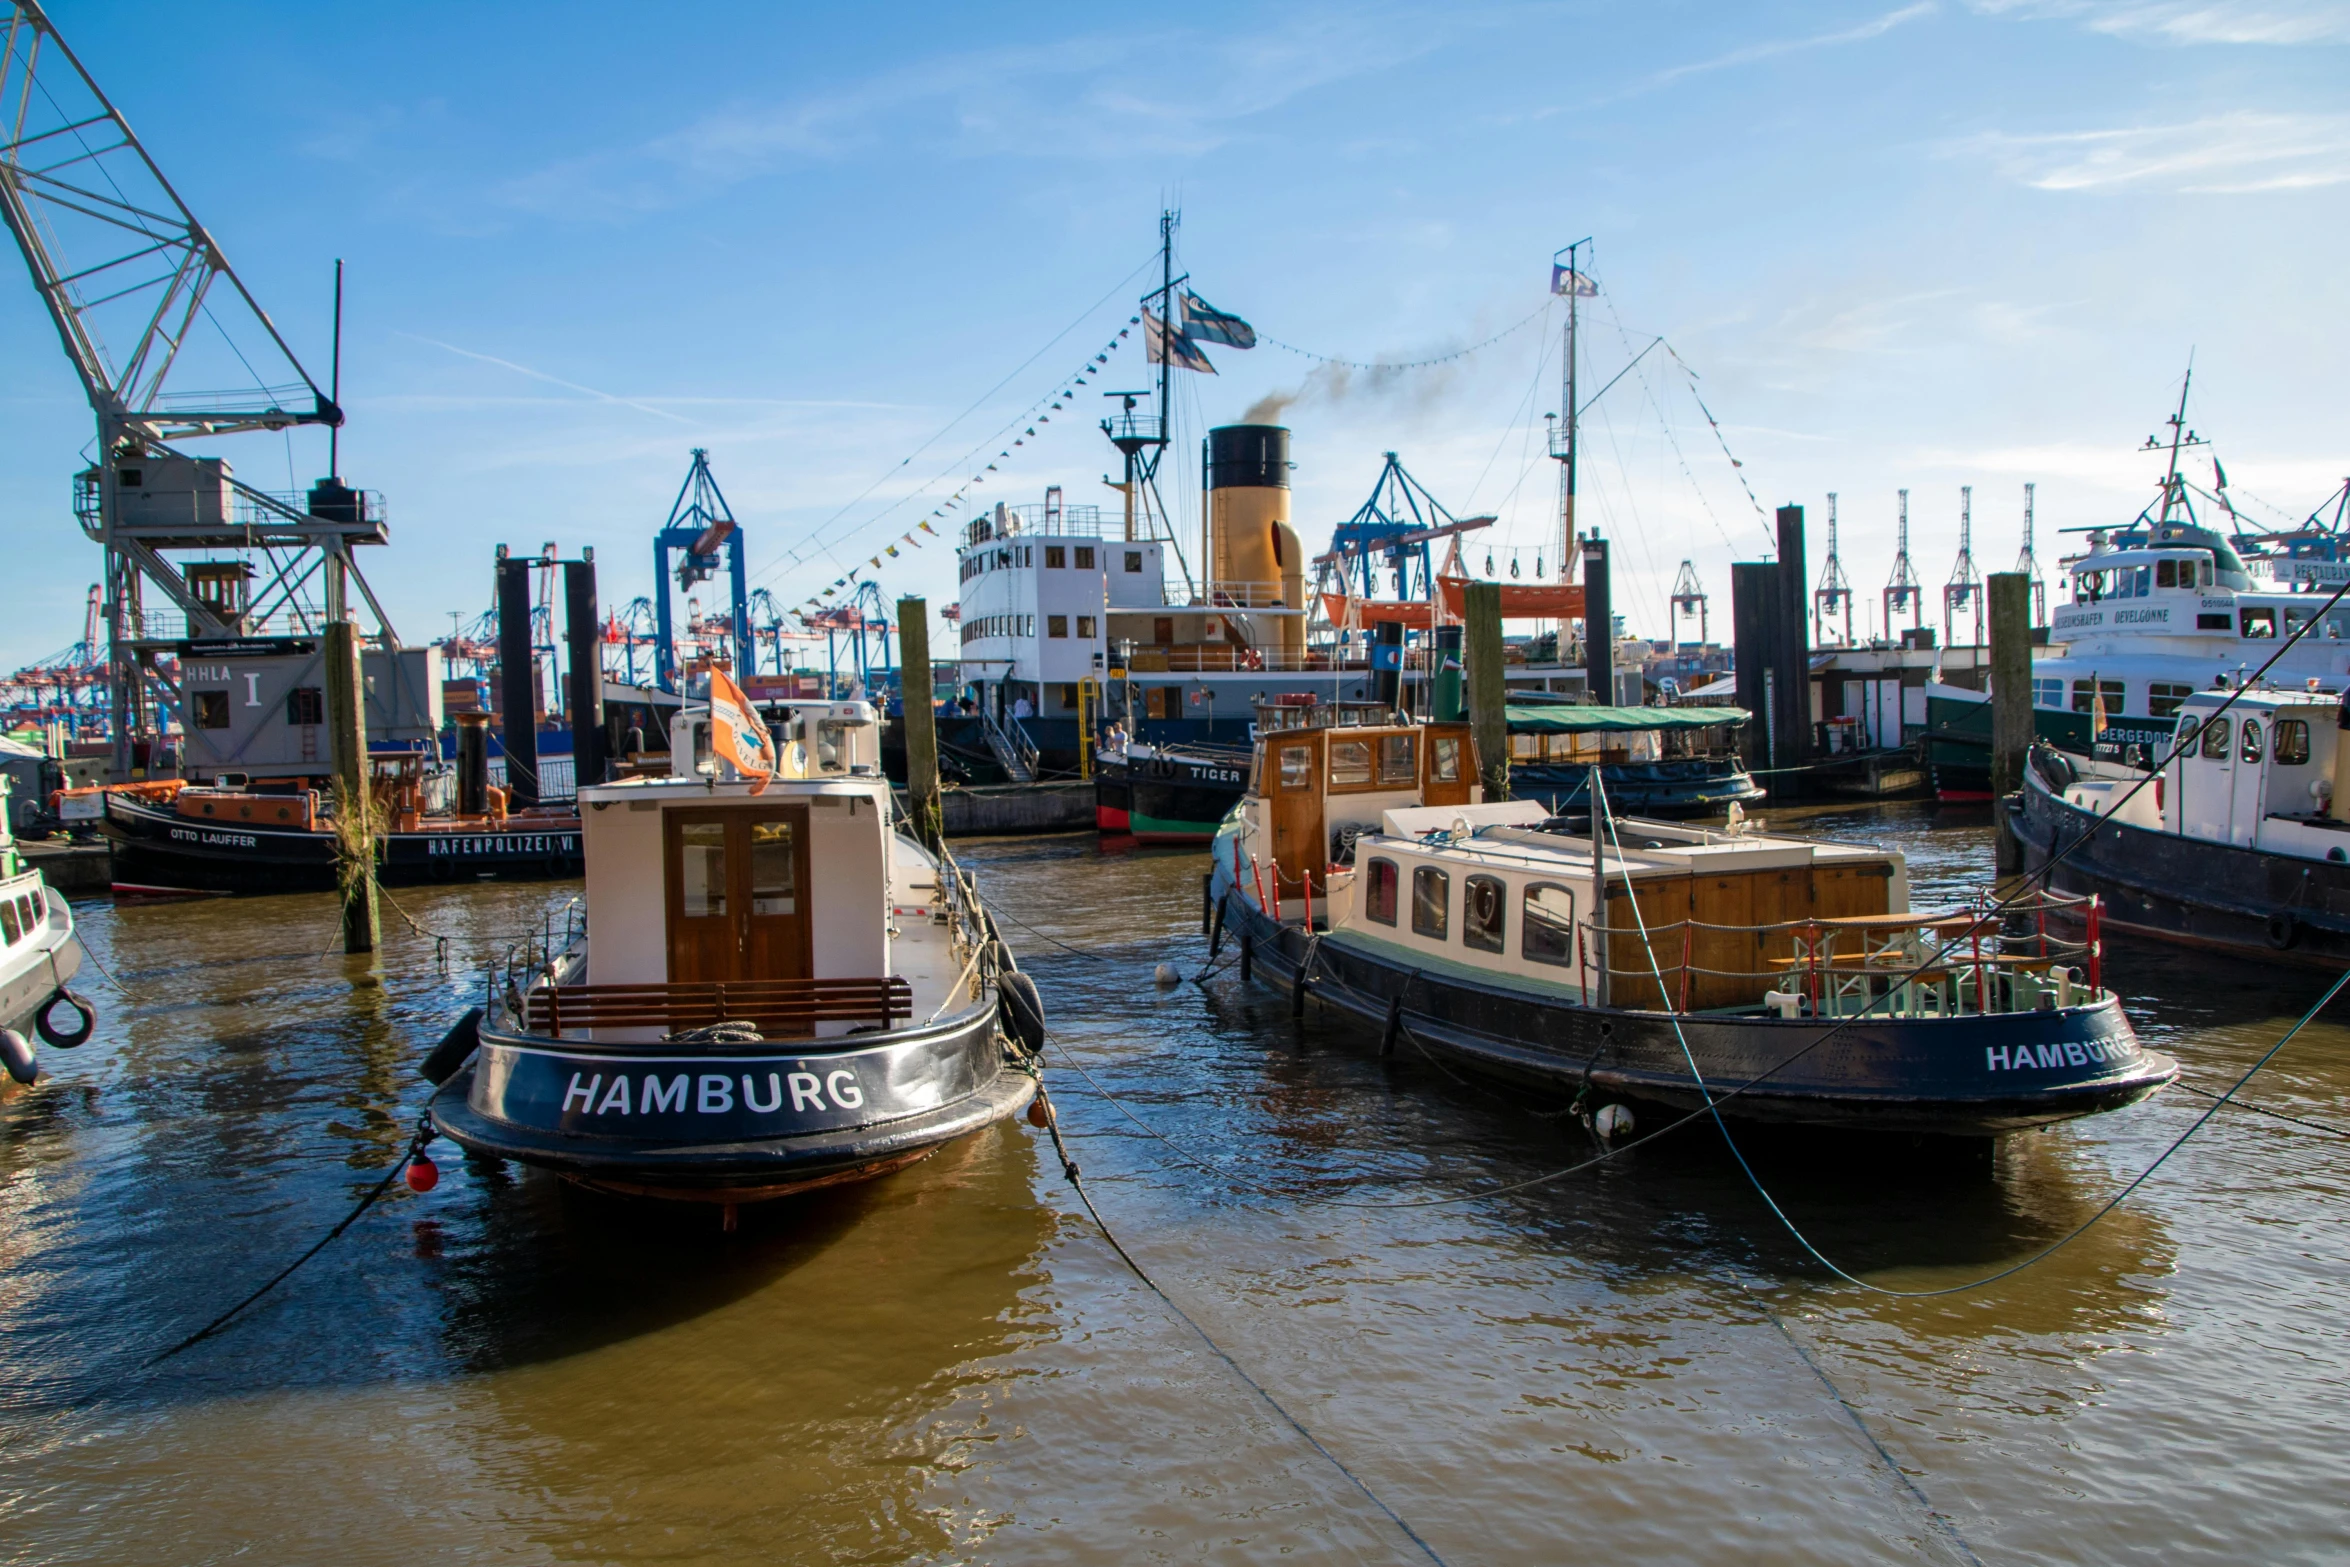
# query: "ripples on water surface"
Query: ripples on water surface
949,1364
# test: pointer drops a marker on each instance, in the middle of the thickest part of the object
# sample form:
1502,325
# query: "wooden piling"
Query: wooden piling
1488,718
346,717
2010,593
921,719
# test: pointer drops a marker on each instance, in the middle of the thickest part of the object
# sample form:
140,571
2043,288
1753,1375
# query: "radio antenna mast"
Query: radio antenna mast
1901,589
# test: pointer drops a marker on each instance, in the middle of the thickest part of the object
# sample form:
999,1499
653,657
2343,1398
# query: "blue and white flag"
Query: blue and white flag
1204,323
1173,348
1566,280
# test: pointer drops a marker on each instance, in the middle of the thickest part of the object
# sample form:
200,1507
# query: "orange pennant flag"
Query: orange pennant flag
738,733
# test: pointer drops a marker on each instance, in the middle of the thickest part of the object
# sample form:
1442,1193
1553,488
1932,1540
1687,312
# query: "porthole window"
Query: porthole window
1431,903
1484,907
2292,741
1548,928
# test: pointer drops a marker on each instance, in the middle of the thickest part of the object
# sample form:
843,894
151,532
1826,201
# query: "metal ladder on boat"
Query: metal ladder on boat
1014,759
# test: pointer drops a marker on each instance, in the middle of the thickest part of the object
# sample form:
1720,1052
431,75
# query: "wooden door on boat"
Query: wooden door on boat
737,892
1293,776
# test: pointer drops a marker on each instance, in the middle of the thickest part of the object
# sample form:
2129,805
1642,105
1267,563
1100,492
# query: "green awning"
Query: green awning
1525,719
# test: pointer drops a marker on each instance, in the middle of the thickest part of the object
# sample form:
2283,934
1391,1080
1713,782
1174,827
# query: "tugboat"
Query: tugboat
2241,842
775,988
1577,960
182,840
38,954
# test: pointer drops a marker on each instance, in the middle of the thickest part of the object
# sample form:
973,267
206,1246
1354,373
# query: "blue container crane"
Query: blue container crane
700,528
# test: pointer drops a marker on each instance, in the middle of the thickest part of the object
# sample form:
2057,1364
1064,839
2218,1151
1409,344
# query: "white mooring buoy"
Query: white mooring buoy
1612,1122
1165,975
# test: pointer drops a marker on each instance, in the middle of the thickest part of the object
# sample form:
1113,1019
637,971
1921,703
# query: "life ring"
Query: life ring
2283,931
50,1033
1021,1009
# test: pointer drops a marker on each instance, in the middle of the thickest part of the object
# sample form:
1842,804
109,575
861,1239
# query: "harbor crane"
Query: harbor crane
1688,601
2028,563
149,311
1964,590
1901,589
1833,592
700,527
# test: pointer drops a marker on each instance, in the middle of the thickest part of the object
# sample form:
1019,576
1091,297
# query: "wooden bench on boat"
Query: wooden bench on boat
779,1008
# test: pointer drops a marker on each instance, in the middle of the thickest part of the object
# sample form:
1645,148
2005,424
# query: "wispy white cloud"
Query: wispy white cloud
552,380
2232,154
1098,97
1876,27
2193,21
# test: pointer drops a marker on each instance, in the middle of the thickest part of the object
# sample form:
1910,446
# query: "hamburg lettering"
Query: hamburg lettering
2000,1058
712,1093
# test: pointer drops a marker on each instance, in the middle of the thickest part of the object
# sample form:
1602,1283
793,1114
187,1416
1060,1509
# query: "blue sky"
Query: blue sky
1925,244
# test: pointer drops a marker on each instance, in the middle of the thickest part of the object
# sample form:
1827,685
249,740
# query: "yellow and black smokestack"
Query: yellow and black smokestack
1254,558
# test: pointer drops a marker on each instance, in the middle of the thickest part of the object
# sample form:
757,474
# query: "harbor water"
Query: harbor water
1636,1362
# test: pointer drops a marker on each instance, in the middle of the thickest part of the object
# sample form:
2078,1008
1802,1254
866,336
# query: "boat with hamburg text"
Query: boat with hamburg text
1659,963
775,988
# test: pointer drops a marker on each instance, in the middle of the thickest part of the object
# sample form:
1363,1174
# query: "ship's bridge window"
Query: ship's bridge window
1350,764
1379,900
2215,740
2258,622
2048,693
1297,767
2292,742
1134,560
2086,693
2250,750
1055,557
1484,906
1549,924
1399,767
1431,903
1085,557
2164,697
1444,759
2166,574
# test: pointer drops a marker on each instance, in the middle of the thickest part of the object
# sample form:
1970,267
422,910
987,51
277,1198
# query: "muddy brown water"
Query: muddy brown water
949,1364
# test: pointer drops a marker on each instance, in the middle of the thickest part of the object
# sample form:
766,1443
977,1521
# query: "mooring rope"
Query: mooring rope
1069,1171
2275,1115
416,1144
1713,1106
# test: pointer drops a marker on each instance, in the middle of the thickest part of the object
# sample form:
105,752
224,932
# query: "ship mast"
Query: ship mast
2181,438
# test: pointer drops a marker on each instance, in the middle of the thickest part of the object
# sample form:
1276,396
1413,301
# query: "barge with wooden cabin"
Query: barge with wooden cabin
1657,963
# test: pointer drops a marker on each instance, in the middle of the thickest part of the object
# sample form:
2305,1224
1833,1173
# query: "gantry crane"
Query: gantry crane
1688,600
1833,590
149,309
1964,590
700,527
2028,563
1901,589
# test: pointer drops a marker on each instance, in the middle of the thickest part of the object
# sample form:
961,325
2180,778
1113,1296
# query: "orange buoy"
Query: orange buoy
423,1174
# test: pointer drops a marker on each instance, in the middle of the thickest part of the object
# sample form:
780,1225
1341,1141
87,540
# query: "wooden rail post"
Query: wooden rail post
921,719
346,717
1488,717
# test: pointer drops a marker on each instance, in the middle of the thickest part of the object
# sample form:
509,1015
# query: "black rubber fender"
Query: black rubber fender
1022,1010
2283,930
16,1052
66,1039
455,1049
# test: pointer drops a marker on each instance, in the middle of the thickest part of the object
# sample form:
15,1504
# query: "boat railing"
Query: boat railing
1988,960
